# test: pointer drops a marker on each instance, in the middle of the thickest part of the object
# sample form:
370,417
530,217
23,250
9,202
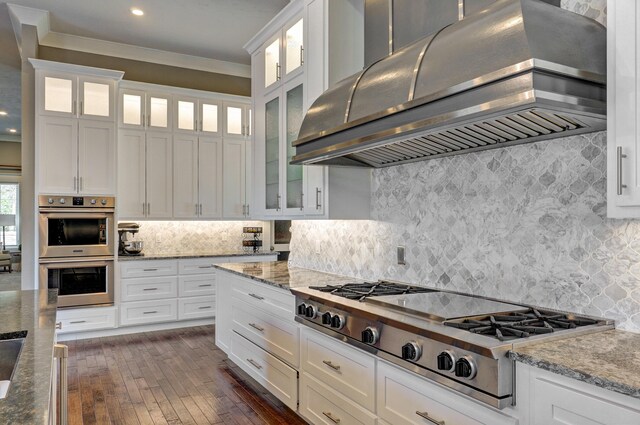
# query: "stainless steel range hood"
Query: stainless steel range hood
516,72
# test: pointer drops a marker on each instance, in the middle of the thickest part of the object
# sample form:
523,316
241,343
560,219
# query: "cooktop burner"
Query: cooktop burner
362,290
516,325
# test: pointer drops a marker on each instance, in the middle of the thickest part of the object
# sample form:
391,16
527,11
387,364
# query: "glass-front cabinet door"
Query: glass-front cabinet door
234,119
186,114
209,117
294,114
96,99
59,95
294,46
272,155
132,108
272,62
158,112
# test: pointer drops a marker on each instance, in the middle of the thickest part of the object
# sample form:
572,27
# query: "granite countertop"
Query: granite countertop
27,401
607,359
278,273
178,256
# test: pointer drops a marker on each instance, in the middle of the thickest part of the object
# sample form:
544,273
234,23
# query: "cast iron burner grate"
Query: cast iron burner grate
360,291
521,325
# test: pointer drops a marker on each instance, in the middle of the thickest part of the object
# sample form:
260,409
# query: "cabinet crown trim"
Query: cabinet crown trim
280,20
81,70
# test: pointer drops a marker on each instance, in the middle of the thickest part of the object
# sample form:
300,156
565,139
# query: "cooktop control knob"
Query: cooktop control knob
311,312
103,202
370,335
93,202
338,321
326,318
302,309
466,368
62,200
411,351
446,361
50,200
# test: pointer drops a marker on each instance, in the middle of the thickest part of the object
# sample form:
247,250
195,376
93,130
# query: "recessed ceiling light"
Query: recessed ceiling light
136,11
3,113
13,130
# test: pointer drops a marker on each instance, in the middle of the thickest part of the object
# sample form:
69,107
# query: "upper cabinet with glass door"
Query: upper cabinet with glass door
66,95
144,110
237,119
194,115
284,54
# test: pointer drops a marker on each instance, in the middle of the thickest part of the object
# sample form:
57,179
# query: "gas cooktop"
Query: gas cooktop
458,340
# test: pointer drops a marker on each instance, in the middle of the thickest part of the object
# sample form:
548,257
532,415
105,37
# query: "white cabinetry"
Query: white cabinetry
86,319
75,128
623,124
294,59
558,400
238,129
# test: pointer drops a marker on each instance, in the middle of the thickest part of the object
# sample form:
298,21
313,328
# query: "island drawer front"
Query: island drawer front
150,288
86,319
197,285
148,268
191,266
321,405
144,312
342,367
273,374
196,308
275,335
275,300
406,399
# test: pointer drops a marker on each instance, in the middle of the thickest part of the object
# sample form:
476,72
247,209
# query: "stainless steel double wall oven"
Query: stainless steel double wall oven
77,246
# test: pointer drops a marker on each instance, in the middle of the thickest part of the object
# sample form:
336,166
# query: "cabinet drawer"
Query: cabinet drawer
191,286
143,312
406,399
150,288
277,301
148,268
341,367
86,319
196,266
275,335
196,308
280,379
322,405
558,404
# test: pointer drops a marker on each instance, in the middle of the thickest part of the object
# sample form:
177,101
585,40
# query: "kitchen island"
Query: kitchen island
27,401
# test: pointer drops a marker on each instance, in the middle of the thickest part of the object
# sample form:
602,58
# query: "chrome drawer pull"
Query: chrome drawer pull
150,270
77,321
149,312
205,267
204,285
204,307
254,326
58,325
331,365
426,416
256,365
258,297
150,289
331,417
619,158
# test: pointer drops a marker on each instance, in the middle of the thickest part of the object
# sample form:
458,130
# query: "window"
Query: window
9,199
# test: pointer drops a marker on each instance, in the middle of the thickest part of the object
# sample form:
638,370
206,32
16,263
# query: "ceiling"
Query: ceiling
211,29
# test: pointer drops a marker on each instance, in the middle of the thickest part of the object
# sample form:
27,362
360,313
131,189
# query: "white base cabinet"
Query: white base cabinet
86,319
145,312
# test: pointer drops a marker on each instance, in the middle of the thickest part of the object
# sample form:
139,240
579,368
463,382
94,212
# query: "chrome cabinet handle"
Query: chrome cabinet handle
200,209
278,71
204,285
331,417
150,289
258,297
73,108
278,199
318,198
77,322
204,307
248,215
61,352
196,209
150,312
148,208
256,327
149,120
331,365
254,363
75,184
205,267
244,210
301,201
81,108
425,415
81,184
301,55
620,156
144,208
149,270
58,325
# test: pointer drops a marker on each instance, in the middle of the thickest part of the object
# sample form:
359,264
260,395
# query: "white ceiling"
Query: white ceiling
211,29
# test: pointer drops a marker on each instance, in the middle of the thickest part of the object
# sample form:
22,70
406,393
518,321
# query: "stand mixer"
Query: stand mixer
128,245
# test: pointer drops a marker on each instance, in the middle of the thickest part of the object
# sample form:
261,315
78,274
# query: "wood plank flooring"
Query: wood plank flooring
168,377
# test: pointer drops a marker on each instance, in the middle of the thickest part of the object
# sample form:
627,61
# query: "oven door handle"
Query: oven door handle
77,212
76,260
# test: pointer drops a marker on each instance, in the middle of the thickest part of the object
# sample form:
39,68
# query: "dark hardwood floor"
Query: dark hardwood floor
167,377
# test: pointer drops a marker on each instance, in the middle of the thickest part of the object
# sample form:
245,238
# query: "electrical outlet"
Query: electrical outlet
401,259
158,238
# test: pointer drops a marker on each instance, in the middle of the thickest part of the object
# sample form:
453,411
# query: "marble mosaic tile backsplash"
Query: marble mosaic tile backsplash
525,223
192,237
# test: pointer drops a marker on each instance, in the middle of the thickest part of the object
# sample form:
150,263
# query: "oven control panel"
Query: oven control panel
54,201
